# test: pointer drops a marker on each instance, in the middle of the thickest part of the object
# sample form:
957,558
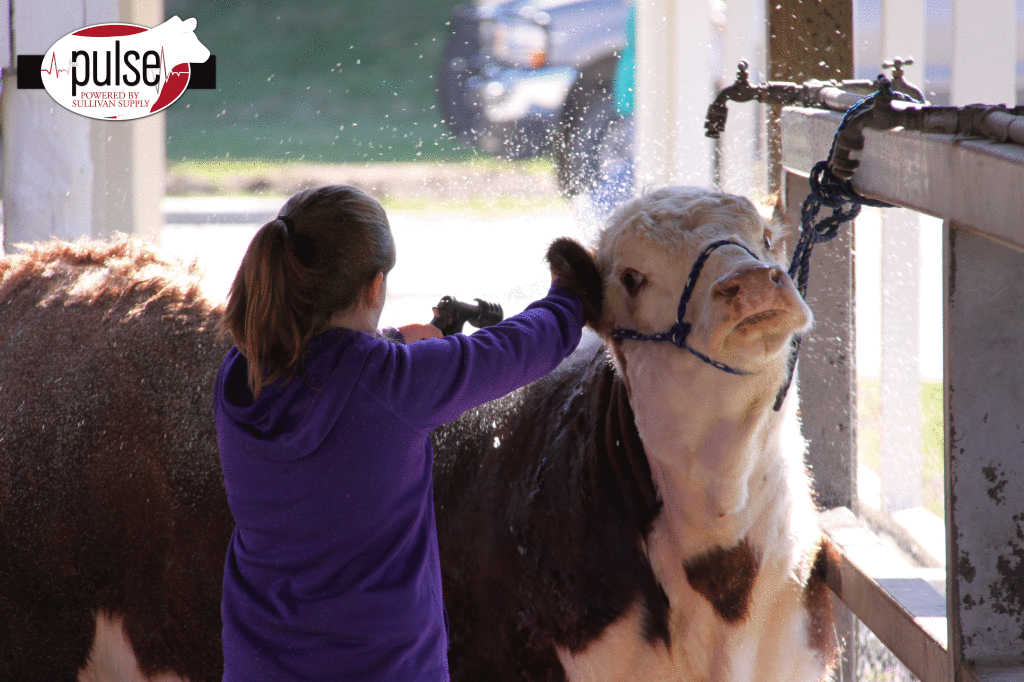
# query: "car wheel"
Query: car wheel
581,145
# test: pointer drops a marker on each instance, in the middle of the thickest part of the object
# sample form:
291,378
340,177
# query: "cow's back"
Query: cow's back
111,495
543,498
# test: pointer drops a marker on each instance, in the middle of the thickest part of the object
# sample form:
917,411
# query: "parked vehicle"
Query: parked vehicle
526,77
520,78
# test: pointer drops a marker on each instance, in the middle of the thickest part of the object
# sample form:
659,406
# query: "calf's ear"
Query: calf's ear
577,272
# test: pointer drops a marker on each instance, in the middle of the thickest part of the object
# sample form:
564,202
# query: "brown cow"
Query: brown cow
112,504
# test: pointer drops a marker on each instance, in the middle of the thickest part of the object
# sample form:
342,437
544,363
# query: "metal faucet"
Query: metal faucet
885,111
830,94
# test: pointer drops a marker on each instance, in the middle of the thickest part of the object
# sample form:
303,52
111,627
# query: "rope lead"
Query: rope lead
827,191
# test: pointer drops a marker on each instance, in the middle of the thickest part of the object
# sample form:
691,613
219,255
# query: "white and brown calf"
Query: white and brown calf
640,513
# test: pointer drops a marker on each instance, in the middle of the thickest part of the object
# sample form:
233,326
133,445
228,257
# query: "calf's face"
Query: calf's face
743,309
705,417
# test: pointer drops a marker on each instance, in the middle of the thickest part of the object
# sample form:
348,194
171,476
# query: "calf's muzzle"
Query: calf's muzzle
752,279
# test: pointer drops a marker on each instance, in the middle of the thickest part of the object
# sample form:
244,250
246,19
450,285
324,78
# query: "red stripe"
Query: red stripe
110,30
175,84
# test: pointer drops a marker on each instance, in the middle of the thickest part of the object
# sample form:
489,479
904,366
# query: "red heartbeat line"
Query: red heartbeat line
174,72
53,67
163,65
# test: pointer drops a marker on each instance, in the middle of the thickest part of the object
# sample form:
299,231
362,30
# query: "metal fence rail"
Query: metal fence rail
977,188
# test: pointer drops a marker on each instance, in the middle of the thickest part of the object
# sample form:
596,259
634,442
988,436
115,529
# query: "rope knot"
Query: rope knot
678,334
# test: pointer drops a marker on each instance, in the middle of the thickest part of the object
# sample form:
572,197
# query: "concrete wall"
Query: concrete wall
66,175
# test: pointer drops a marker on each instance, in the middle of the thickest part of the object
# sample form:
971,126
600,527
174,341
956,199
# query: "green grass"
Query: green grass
335,81
256,177
868,437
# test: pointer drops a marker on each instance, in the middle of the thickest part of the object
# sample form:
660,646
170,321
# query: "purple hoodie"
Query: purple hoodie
332,572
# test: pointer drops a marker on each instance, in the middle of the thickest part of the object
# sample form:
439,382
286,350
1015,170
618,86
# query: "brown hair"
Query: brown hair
313,260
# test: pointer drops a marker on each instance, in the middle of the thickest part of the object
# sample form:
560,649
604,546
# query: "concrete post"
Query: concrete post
673,92
66,175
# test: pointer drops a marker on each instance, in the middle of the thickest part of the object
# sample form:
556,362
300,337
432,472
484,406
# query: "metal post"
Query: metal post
827,384
827,371
984,388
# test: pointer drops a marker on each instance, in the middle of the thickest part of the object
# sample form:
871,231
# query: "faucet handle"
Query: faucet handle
897,65
899,83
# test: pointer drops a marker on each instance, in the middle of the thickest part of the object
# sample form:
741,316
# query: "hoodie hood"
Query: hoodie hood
293,415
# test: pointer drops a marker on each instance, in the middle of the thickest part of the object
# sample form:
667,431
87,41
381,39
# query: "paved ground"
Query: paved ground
434,182
468,255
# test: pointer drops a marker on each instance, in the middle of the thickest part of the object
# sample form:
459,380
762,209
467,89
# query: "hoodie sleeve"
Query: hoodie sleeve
431,382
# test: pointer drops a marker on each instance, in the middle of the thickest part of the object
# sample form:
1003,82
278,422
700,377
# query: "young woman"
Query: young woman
324,431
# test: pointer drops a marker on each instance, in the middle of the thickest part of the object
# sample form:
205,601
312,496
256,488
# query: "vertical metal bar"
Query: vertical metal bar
984,390
826,381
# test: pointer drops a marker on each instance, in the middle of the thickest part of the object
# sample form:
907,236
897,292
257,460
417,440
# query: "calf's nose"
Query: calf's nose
755,278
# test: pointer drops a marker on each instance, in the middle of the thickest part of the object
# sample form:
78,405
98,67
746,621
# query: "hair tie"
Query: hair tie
289,226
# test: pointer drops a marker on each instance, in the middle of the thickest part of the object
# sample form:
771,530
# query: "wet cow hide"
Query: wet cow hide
545,504
112,499
539,528
112,504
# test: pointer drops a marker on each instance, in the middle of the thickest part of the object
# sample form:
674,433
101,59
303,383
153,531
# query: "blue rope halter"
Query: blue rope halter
677,334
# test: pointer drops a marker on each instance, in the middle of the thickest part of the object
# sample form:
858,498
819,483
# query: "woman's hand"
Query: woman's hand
419,332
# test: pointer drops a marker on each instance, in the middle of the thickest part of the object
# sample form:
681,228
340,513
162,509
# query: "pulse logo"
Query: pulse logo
122,71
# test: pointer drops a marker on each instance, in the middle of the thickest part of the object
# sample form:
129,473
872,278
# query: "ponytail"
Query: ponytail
310,262
268,310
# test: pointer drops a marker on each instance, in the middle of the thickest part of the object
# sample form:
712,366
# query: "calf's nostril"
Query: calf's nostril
776,274
729,289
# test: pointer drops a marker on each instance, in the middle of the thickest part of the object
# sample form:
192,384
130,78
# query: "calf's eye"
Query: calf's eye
767,237
632,280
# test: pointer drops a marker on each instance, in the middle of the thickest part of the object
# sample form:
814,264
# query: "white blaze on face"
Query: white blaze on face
736,506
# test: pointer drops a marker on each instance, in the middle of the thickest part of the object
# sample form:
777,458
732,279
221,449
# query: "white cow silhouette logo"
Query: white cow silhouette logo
179,40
